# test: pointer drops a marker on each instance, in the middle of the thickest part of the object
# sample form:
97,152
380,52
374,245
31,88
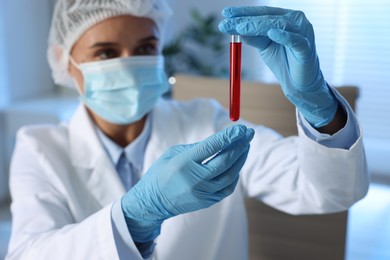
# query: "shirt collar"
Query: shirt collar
134,151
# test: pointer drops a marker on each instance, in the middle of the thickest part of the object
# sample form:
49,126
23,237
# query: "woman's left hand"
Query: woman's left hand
285,40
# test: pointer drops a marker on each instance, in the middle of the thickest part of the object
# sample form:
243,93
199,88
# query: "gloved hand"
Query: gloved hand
285,39
181,181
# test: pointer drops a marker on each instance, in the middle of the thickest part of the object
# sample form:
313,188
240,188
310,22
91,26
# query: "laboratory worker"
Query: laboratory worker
134,176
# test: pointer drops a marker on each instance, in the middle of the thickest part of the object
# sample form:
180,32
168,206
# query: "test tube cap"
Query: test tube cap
236,38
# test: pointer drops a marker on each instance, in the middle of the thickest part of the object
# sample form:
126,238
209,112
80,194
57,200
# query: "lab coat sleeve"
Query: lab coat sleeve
344,138
308,174
123,239
43,226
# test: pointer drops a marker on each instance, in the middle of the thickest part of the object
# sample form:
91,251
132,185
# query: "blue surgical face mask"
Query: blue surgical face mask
123,90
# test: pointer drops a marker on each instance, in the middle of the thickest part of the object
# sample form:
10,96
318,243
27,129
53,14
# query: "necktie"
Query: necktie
125,171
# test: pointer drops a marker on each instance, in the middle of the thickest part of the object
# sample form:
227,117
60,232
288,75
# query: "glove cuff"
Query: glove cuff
143,224
143,231
318,106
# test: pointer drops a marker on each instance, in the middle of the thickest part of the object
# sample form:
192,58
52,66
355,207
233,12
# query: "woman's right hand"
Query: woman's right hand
185,179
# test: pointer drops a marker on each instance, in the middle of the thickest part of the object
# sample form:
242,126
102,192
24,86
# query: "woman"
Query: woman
133,176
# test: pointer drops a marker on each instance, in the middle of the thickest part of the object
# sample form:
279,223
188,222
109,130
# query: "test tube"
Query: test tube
235,77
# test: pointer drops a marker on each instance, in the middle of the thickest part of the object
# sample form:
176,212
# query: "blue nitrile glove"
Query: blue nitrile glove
180,181
285,39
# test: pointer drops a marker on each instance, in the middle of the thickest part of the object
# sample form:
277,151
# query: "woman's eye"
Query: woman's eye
106,54
146,49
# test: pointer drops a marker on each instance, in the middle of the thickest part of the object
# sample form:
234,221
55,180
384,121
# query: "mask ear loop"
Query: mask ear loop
74,63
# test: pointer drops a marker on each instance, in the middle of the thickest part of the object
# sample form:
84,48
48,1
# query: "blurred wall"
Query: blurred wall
24,72
3,94
25,31
3,169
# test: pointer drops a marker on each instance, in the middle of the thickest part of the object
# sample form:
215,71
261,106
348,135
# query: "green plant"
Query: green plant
200,49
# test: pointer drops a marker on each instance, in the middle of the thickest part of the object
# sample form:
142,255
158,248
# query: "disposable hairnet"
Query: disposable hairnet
72,18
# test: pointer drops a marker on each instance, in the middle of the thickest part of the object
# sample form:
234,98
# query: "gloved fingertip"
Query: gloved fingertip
242,128
226,27
250,133
226,12
237,131
222,26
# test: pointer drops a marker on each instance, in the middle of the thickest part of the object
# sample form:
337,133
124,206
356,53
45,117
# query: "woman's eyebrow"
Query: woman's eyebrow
149,38
102,44
108,44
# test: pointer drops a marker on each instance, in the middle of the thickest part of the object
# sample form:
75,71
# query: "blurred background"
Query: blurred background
353,43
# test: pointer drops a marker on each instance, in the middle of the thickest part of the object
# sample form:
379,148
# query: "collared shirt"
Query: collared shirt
133,153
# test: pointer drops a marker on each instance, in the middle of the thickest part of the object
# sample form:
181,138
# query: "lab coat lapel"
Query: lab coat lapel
91,161
104,182
166,132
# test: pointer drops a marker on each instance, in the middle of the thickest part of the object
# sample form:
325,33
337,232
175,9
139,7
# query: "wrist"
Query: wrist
143,231
146,249
337,123
142,224
319,107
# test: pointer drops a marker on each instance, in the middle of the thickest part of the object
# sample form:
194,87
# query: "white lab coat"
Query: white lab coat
63,186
